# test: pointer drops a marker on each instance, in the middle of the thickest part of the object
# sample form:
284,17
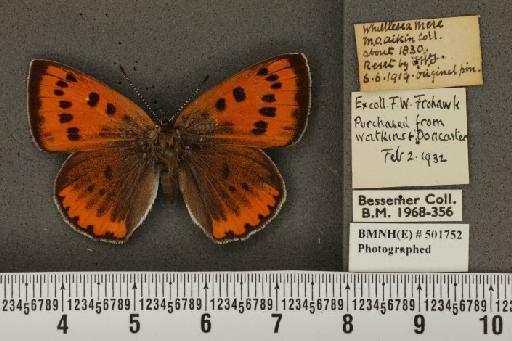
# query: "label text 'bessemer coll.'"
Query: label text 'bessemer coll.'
407,205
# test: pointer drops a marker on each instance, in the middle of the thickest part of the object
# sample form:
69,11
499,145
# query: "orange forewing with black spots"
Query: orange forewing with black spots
230,191
264,106
70,111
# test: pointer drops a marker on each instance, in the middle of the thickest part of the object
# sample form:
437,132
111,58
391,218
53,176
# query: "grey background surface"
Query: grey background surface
487,199
168,47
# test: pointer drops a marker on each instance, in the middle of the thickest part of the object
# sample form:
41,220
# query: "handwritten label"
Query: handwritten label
407,206
409,138
379,247
419,54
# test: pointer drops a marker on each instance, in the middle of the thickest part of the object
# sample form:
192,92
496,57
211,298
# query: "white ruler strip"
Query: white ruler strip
255,306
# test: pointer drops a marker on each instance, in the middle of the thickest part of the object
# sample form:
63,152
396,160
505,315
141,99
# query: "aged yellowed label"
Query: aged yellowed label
409,138
419,54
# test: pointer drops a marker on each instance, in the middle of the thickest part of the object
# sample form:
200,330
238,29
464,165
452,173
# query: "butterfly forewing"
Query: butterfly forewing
264,106
70,111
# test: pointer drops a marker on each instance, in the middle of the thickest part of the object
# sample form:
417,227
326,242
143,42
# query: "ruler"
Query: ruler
282,305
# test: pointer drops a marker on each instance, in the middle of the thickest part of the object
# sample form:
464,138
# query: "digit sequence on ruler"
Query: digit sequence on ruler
277,294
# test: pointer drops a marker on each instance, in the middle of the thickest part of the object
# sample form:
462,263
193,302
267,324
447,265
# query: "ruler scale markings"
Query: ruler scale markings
319,292
505,283
367,287
333,284
374,279
390,287
69,286
448,282
496,280
440,285
508,283
347,290
476,287
462,284
247,285
483,286
227,284
198,284
426,285
162,285
241,289
185,281
113,278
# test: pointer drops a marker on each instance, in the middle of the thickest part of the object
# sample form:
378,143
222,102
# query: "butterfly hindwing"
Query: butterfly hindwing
106,193
230,191
70,111
264,106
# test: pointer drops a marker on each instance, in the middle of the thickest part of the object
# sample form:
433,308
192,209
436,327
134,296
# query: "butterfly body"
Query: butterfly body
211,152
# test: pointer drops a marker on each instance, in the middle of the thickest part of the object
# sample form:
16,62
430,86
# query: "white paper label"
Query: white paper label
407,206
409,138
394,247
419,54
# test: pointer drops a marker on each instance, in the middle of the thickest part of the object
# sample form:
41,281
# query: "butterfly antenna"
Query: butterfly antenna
189,99
125,75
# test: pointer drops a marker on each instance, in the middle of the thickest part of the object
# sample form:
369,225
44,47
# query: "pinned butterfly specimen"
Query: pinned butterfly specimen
211,151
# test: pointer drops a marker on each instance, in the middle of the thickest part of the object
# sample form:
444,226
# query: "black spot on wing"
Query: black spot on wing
268,98
220,105
111,109
64,104
262,72
268,111
70,77
239,94
260,128
73,133
93,99
65,117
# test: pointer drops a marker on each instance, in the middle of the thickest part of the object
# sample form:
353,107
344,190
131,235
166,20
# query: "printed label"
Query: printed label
387,247
419,54
409,138
407,206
